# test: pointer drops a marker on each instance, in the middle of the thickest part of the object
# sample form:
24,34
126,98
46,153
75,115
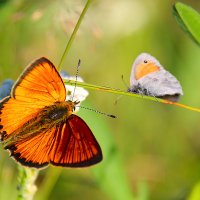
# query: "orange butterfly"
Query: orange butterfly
37,124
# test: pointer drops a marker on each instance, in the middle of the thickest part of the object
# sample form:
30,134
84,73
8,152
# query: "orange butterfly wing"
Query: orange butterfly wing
71,144
40,82
39,85
144,69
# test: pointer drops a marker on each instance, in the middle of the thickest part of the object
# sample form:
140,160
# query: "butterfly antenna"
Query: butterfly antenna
77,71
126,85
124,81
96,111
117,99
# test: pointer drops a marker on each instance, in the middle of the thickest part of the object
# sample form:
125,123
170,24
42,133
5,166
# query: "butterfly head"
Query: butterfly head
72,104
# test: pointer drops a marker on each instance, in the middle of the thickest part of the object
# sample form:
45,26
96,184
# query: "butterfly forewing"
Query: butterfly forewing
145,69
42,81
39,85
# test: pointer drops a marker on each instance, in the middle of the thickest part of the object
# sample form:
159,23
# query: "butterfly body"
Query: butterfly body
148,77
38,126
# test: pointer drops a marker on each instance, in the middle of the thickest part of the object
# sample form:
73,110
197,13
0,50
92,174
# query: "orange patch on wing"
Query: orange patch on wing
144,69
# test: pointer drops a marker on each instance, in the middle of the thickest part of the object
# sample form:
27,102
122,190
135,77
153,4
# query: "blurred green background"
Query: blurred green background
157,146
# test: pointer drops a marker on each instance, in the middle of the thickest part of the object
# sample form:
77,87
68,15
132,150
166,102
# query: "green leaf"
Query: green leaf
188,19
195,194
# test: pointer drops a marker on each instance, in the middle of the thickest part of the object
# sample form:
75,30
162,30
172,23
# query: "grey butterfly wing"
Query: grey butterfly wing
161,83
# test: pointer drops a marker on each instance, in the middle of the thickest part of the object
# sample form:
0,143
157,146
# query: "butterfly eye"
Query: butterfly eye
145,61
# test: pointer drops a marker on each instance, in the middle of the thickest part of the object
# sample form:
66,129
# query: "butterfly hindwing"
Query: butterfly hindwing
79,147
70,144
161,83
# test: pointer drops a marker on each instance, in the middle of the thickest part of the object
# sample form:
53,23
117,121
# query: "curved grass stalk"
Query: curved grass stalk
120,92
74,34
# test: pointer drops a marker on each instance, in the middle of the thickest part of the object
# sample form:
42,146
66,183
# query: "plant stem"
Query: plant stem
120,92
74,34
26,185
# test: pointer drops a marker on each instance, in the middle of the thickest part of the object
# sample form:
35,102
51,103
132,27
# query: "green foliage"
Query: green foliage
26,186
189,20
195,194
